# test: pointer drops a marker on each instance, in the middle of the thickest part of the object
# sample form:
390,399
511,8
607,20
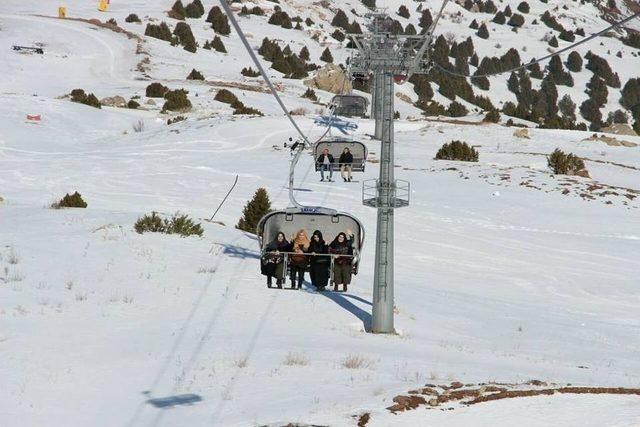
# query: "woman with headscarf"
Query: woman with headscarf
298,260
342,245
272,261
318,264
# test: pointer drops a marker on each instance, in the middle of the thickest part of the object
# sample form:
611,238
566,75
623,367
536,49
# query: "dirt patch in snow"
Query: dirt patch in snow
432,396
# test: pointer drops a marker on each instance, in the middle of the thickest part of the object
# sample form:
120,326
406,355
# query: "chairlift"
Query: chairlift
350,105
336,147
329,221
310,218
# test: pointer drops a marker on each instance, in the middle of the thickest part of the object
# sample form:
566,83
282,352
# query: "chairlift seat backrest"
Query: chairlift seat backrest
350,105
290,221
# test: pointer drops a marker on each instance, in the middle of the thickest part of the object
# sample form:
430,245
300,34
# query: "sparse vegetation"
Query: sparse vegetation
79,96
493,116
457,150
70,201
326,55
355,361
176,119
177,224
225,96
185,37
156,90
295,359
565,164
160,31
310,94
195,75
219,21
132,18
255,209
250,72
176,100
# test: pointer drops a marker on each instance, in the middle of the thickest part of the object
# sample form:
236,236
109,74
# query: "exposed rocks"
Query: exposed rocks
114,101
330,78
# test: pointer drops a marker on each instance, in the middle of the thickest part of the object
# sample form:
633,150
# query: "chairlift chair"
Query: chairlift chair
336,147
329,221
350,105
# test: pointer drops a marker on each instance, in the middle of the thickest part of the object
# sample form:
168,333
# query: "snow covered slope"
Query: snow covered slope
501,274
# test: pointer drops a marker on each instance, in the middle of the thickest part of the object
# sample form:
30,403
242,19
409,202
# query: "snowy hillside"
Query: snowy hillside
505,273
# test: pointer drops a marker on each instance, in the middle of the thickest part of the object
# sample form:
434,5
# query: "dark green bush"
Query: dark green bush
483,33
79,96
219,21
195,9
185,36
195,75
176,119
225,96
457,110
240,109
310,94
160,31
492,116
217,45
156,90
564,164
516,20
249,72
326,55
404,12
178,224
176,101
132,18
457,150
254,210
178,10
70,201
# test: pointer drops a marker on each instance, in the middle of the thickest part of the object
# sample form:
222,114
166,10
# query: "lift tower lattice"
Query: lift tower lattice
389,58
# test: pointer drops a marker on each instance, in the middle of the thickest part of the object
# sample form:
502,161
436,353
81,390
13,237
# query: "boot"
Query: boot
279,283
335,288
345,288
293,284
269,282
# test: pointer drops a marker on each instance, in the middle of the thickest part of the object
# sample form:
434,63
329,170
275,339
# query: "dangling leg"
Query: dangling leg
349,170
342,172
269,282
279,275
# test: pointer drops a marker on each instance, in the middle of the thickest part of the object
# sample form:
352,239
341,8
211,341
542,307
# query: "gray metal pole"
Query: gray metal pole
377,103
383,276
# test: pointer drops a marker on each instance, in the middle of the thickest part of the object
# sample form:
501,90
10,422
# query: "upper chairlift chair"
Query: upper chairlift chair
350,105
336,146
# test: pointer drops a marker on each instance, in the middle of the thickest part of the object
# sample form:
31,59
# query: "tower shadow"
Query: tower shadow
343,301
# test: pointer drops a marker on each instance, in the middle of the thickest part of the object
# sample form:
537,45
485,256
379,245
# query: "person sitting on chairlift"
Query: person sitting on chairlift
272,264
318,264
346,163
342,267
326,164
299,245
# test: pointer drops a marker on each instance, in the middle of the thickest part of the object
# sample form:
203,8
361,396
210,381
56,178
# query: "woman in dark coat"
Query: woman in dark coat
272,262
342,245
319,265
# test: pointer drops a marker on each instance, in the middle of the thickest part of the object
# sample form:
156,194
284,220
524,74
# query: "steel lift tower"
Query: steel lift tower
390,58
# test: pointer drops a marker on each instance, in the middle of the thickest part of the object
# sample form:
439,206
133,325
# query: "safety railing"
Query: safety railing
400,193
